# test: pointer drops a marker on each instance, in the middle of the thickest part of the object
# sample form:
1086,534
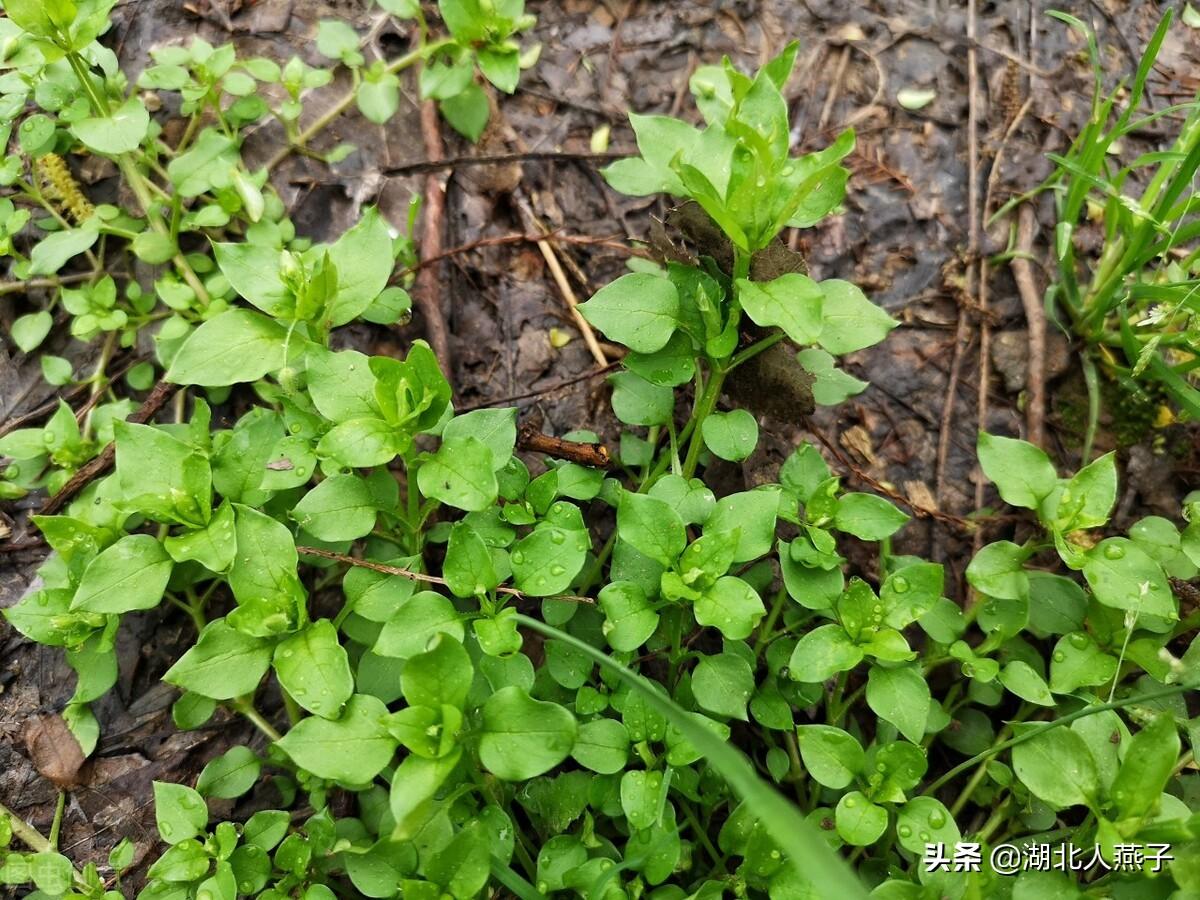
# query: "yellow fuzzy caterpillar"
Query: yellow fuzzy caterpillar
59,184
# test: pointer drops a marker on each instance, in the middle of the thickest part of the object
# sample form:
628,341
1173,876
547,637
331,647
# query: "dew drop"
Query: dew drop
557,537
557,570
904,831
1114,551
924,836
850,802
518,558
936,819
900,584
1059,656
1079,640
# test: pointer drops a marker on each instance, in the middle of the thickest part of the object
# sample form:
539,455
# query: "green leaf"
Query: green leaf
496,428
1124,576
52,252
1078,661
29,331
418,621
352,749
832,756
868,517
850,321
822,653
340,508
179,811
119,132
223,664
364,261
831,385
230,775
1088,496
341,384
651,527
312,666
602,746
642,797
637,401
639,310
523,737
1057,767
440,676
469,568
792,302
1021,472
629,617
214,546
205,164
925,819
236,346
732,436
752,514
363,442
461,474
265,564
467,111
732,606
253,272
1021,679
131,574
900,696
379,98
546,561
1149,763
723,684
997,570
859,821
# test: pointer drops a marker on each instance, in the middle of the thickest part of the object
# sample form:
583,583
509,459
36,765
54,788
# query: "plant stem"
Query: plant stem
246,708
30,836
1040,730
704,408
347,100
134,178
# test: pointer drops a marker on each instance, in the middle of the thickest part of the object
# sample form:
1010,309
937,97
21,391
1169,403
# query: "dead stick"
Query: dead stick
421,576
427,289
540,392
95,468
1035,317
560,279
586,454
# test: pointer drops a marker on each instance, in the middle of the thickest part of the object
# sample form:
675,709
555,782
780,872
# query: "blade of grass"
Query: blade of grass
799,839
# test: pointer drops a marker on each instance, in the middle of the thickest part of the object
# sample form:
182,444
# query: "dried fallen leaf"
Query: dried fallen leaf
53,749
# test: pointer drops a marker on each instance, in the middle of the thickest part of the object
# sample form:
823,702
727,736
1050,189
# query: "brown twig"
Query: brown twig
384,569
531,438
522,238
459,162
921,512
540,392
1035,316
427,289
160,394
560,278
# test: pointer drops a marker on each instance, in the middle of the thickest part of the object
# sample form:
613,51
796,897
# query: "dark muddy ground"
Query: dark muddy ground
904,236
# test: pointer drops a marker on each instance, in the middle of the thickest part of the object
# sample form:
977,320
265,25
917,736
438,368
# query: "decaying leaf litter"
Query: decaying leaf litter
903,237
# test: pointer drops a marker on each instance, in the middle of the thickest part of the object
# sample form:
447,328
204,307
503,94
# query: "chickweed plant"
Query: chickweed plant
473,678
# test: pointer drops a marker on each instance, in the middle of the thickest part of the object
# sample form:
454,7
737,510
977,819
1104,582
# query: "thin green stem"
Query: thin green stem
1040,730
347,100
246,708
704,408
